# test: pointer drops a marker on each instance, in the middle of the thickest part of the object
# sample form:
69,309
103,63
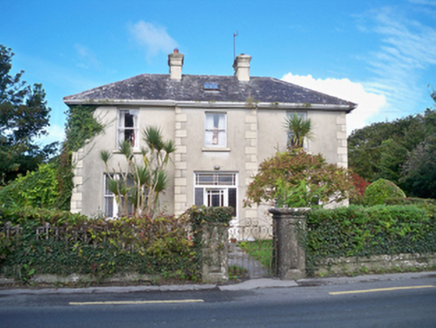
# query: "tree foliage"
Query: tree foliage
24,116
419,170
399,151
297,179
39,189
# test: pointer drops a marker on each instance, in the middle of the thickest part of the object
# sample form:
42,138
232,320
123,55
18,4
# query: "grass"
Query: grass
260,250
237,272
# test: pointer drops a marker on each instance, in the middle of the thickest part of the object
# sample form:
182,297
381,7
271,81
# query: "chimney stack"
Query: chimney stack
175,62
241,65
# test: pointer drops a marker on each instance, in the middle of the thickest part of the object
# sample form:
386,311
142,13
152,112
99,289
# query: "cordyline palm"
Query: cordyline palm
149,179
299,129
157,159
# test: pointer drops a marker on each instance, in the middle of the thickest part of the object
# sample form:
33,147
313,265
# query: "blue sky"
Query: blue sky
379,54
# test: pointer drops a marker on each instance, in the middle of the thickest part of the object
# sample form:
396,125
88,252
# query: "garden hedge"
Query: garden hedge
99,247
365,231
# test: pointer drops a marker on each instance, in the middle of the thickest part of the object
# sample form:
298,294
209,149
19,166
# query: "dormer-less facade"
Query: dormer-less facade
223,127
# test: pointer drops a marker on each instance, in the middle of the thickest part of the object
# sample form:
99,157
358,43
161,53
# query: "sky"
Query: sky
380,54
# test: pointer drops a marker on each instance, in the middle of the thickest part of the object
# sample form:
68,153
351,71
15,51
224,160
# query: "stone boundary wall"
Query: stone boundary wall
375,263
121,278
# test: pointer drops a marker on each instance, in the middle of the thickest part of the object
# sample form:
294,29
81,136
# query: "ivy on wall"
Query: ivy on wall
69,243
80,128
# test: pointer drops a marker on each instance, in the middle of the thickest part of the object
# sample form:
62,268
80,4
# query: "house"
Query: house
223,127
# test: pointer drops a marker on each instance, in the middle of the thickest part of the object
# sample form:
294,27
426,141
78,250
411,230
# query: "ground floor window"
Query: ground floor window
110,205
216,189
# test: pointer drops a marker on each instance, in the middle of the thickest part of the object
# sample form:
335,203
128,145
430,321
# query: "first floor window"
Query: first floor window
216,189
301,115
215,130
128,126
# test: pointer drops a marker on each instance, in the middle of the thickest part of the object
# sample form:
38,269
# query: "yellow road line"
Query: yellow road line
136,302
380,290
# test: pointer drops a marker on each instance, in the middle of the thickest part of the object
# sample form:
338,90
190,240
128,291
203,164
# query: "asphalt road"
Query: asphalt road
405,303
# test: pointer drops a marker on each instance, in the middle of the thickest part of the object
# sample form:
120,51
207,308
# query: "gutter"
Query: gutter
211,104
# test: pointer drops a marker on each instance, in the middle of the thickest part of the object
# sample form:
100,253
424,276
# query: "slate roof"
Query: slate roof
190,88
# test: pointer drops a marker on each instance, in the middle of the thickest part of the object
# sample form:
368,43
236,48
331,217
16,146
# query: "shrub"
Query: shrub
298,179
99,247
37,189
366,231
380,190
40,216
360,186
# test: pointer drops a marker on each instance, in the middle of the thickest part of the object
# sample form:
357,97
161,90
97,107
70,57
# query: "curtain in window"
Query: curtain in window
215,134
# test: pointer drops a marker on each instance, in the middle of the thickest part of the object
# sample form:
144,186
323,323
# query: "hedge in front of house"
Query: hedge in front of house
142,245
365,231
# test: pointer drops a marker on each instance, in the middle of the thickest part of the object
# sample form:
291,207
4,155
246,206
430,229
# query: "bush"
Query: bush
98,247
366,231
40,216
360,186
380,190
37,189
298,179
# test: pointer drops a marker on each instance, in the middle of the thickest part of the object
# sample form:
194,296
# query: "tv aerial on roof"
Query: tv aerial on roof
234,45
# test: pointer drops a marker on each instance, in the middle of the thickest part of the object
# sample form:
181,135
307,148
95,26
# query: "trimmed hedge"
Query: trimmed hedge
410,201
98,247
366,231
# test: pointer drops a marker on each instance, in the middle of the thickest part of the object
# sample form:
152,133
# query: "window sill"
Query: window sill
215,149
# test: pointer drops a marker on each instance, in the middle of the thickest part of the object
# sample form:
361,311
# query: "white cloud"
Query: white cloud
87,58
56,133
154,38
369,103
408,49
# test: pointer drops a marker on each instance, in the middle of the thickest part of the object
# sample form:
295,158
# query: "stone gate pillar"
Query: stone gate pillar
215,241
289,225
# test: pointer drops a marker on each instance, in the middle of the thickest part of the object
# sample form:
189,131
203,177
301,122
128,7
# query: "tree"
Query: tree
419,171
143,181
388,151
24,116
297,179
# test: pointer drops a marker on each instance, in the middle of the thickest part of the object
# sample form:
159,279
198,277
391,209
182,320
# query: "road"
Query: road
405,303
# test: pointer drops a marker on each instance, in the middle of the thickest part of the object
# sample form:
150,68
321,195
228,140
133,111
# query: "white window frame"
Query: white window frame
109,197
289,134
122,129
215,129
215,186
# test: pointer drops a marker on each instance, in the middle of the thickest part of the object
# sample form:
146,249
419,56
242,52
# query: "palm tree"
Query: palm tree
148,178
299,129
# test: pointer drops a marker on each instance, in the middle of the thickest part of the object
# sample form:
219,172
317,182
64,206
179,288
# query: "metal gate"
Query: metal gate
251,250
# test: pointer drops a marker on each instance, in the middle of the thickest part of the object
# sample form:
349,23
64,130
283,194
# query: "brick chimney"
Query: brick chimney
241,65
175,62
